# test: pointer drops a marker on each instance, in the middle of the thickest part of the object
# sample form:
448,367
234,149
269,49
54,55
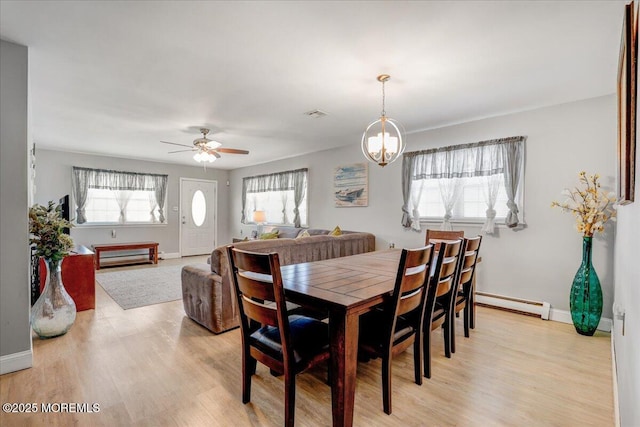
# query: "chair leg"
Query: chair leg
426,352
248,369
467,319
417,358
447,335
452,333
386,384
289,399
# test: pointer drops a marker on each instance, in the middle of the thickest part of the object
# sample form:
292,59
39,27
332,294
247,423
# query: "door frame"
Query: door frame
215,210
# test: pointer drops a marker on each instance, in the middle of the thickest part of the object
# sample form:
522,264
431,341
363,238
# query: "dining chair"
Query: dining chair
463,300
390,330
436,236
286,343
437,310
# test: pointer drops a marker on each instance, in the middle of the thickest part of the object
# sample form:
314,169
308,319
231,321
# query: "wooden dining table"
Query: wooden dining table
344,287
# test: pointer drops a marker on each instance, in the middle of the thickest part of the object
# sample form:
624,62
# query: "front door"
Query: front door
198,202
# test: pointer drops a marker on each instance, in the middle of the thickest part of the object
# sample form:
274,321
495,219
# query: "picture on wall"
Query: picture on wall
627,108
351,185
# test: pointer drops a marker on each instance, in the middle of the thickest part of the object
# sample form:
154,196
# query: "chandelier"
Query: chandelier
383,141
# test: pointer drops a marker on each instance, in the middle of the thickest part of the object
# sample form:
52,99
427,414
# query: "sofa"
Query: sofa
207,290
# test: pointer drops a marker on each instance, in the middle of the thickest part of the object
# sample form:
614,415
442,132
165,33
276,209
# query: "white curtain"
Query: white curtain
153,204
80,188
122,197
416,194
450,192
513,154
490,187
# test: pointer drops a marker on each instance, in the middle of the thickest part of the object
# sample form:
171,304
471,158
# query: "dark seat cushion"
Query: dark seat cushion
309,338
372,325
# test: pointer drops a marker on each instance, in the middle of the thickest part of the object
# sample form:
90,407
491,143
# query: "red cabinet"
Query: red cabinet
78,276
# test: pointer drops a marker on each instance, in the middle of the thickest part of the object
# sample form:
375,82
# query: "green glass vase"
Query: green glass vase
586,294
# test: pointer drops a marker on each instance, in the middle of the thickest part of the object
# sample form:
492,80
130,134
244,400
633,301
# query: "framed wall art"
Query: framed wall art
351,185
627,108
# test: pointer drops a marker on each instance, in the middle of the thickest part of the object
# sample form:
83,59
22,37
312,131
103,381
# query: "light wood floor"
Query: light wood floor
152,366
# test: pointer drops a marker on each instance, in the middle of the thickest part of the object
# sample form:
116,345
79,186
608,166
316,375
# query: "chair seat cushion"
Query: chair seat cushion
438,312
373,323
309,337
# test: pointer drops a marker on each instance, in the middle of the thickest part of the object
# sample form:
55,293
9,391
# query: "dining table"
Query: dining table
345,288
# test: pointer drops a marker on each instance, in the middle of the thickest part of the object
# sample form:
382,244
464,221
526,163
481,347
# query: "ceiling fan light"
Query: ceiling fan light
213,144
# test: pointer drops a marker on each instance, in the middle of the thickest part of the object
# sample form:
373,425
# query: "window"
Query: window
282,196
471,204
472,182
114,197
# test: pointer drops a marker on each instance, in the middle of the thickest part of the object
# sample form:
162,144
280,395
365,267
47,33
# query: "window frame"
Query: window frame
83,180
278,182
503,157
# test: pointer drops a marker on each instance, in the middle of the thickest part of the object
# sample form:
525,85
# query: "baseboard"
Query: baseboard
169,255
533,308
565,317
614,366
16,362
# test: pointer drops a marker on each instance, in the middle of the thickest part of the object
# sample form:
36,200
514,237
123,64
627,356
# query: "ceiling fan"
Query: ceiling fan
207,150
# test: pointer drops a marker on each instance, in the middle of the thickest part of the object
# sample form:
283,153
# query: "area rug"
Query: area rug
142,286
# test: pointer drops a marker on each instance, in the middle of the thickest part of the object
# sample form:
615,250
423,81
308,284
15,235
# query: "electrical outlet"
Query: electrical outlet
392,245
113,234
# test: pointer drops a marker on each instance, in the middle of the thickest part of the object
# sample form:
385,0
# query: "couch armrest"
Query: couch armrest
208,299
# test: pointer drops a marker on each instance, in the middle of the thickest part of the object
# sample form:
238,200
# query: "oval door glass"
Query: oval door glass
198,208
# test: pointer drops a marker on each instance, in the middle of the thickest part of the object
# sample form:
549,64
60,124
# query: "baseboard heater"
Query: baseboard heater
530,308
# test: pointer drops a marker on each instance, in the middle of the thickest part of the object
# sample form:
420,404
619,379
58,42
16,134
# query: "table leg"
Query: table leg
343,333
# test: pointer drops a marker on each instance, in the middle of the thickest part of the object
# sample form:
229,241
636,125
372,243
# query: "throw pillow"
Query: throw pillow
303,233
272,235
335,232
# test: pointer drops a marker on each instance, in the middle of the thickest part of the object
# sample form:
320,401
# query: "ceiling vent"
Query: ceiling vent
316,114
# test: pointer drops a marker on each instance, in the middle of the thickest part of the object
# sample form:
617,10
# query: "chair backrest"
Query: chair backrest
412,280
450,266
437,236
443,276
470,259
257,281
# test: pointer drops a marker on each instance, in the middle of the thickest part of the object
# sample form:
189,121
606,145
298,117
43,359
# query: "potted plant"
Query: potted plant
592,208
55,311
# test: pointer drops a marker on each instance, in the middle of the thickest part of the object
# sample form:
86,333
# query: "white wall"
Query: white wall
536,263
15,335
53,180
627,296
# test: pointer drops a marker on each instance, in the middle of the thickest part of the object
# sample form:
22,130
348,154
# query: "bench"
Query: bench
110,247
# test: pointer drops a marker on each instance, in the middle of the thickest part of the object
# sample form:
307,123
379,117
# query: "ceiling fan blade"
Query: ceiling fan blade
215,154
180,151
231,151
173,143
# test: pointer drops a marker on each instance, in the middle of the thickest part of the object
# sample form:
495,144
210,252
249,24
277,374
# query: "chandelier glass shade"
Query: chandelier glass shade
383,141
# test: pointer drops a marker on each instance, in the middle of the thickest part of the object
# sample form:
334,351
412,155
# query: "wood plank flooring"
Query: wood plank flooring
152,366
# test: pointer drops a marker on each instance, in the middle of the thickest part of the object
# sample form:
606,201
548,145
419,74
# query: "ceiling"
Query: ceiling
115,78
